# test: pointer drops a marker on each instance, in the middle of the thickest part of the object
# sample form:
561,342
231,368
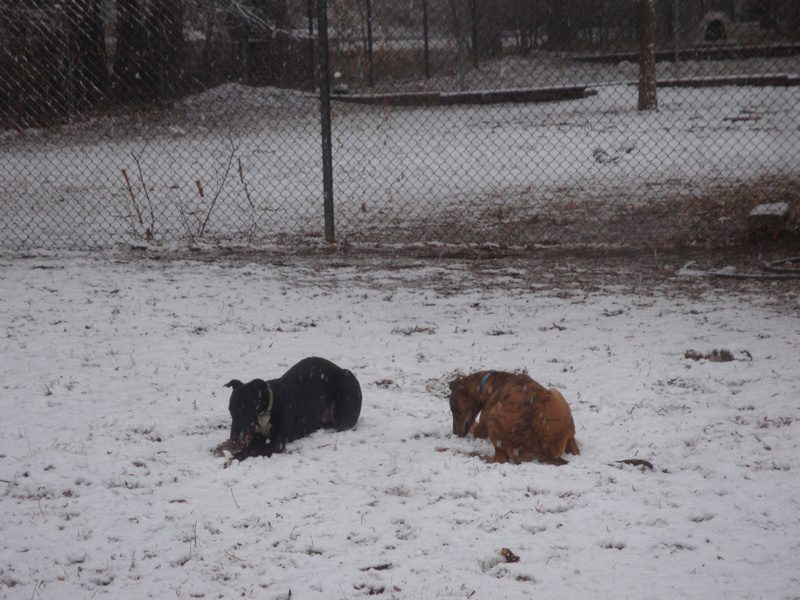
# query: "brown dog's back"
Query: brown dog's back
559,428
531,422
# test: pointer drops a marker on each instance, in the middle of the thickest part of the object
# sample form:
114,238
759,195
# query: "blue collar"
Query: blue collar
484,379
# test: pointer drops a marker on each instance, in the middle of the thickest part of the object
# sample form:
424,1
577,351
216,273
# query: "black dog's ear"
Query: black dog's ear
234,383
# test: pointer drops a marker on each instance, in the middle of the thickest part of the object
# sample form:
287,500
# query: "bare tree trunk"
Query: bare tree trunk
312,62
459,27
90,74
165,31
149,58
370,73
676,37
559,19
207,68
130,51
425,34
487,30
647,55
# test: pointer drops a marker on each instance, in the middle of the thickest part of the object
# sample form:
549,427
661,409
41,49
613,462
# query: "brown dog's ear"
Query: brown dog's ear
233,383
457,384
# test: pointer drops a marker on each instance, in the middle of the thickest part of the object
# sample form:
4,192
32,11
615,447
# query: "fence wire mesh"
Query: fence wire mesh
455,121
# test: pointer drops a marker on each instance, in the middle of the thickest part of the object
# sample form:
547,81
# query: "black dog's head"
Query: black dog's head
250,409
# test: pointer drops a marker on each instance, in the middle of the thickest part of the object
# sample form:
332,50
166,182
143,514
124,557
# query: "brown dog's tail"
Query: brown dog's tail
572,447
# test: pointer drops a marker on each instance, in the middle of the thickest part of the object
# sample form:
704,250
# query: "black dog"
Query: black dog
312,395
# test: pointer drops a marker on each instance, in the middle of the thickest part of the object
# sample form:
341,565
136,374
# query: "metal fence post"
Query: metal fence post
325,119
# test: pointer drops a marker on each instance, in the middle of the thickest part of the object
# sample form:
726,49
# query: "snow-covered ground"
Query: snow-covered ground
112,401
243,165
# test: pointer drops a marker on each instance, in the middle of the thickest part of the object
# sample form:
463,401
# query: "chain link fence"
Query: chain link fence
451,121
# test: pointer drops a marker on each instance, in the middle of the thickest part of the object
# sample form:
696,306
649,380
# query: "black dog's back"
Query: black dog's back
348,407
317,382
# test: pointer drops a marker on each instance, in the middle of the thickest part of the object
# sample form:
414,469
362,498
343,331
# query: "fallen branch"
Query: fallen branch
234,557
133,197
637,462
509,555
152,227
380,567
249,200
244,183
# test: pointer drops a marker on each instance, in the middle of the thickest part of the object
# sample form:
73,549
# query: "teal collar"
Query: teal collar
484,379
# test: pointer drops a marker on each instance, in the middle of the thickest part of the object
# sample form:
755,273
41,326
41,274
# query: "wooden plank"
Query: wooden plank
552,94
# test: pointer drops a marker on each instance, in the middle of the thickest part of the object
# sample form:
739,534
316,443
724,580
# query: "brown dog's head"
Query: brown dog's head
465,402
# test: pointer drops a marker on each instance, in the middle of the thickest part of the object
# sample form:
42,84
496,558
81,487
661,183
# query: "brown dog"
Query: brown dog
523,420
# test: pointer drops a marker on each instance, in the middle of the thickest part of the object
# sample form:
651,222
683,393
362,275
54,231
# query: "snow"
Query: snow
397,171
112,402
771,209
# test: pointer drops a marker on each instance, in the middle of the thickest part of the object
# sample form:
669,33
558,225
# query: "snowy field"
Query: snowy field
242,165
112,402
